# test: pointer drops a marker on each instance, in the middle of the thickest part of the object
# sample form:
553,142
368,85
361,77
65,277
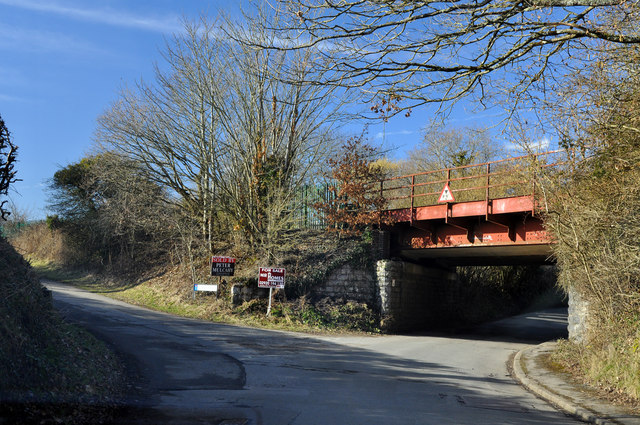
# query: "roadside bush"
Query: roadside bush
611,362
350,315
309,315
325,314
41,242
592,210
41,356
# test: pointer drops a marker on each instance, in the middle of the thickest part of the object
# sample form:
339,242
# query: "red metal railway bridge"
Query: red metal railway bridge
471,215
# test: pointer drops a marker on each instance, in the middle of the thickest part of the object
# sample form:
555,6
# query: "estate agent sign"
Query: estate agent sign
270,277
222,266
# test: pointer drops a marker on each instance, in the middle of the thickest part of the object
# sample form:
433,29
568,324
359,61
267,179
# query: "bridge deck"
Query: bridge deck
493,219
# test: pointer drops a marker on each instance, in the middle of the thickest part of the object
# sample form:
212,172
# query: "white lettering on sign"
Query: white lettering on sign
222,266
218,259
271,277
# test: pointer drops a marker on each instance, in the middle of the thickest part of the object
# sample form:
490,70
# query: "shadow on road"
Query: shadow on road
529,328
189,371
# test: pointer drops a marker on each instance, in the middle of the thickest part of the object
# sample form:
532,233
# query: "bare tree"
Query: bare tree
223,132
8,153
408,53
171,127
597,106
133,214
452,147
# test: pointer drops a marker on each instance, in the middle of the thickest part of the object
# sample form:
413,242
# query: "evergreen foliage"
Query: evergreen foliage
8,155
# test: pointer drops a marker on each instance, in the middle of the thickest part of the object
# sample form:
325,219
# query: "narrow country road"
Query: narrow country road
195,372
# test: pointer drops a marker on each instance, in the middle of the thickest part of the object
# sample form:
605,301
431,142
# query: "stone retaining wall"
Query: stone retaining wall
578,317
349,283
245,293
408,296
413,296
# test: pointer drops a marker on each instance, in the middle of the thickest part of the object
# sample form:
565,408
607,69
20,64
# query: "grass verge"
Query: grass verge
51,371
612,370
168,293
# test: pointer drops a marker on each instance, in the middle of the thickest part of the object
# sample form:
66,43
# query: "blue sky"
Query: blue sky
64,61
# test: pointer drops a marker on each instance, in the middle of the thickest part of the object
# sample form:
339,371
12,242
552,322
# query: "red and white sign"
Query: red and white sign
446,195
222,266
270,277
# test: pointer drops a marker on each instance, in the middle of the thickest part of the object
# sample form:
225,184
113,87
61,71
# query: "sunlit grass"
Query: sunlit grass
78,277
171,293
614,369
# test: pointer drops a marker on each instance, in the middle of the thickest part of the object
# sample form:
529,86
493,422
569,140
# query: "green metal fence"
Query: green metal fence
305,215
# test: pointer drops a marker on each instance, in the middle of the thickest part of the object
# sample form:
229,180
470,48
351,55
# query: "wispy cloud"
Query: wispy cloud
543,143
30,40
540,145
385,134
107,16
12,99
477,117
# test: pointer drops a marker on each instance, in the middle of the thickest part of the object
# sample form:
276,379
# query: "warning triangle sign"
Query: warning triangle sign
446,195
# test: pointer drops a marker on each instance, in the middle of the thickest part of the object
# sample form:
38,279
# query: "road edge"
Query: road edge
564,403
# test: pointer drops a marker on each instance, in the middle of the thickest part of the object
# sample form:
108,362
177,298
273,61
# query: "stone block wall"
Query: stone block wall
346,282
408,296
413,296
349,283
389,282
578,317
245,293
381,244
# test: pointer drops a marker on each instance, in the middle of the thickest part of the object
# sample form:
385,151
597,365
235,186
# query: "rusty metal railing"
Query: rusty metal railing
503,178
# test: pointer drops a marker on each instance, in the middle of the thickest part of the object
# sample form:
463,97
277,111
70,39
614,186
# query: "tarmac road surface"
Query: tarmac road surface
195,372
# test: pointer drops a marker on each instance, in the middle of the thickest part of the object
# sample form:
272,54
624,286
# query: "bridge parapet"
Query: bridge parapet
489,206
506,178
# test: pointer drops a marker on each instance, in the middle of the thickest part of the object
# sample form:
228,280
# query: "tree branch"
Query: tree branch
436,51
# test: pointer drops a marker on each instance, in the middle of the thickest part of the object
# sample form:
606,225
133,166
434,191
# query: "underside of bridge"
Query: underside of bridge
480,256
490,244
